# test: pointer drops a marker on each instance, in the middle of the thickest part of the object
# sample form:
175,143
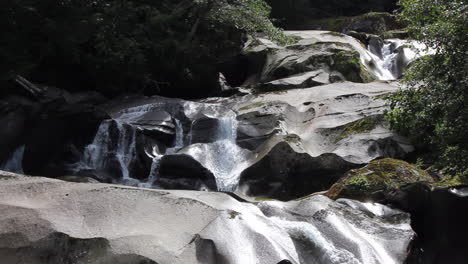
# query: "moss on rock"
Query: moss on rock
360,126
379,176
252,106
349,64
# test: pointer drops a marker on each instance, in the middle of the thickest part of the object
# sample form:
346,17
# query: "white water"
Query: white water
157,156
14,163
126,151
96,155
388,65
223,157
103,149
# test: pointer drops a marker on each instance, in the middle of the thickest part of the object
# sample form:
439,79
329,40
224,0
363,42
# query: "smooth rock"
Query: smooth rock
54,222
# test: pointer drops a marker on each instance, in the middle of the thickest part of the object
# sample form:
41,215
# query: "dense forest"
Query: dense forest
234,131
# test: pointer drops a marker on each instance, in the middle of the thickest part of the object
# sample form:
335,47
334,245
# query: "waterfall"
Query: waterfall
14,163
126,149
382,66
223,157
96,155
93,155
396,55
227,129
179,137
154,170
157,156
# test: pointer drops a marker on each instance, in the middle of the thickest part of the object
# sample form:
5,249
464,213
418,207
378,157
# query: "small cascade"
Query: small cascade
179,137
227,129
93,155
154,171
99,153
382,66
126,149
14,163
396,55
157,156
223,157
390,56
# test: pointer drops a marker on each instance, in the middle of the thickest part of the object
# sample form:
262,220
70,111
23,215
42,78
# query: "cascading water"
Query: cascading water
223,157
396,55
115,143
157,156
14,163
96,155
126,151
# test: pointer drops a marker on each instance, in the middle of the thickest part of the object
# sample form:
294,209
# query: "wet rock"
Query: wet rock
155,124
108,223
204,130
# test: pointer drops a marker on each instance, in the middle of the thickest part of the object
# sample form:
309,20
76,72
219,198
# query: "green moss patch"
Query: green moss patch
233,214
360,126
349,64
252,106
379,176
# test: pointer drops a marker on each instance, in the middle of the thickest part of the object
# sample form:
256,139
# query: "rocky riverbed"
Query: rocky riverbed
263,173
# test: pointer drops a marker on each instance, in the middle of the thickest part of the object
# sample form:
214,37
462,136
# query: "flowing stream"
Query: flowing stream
116,139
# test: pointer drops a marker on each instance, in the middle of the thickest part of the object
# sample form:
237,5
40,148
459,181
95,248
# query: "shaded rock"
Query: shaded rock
78,179
205,130
373,23
377,180
100,223
58,136
285,174
375,45
182,171
376,23
302,80
16,116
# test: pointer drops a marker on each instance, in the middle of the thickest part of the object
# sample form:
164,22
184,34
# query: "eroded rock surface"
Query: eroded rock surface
54,222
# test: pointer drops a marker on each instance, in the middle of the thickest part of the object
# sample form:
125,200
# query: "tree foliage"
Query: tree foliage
433,107
126,45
